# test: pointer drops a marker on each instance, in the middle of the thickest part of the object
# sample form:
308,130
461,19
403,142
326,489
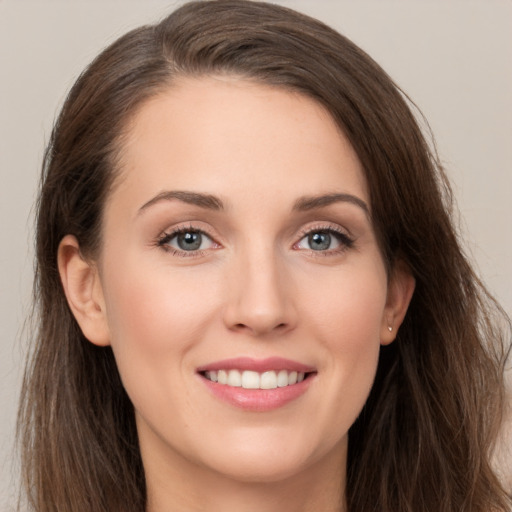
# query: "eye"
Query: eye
324,240
186,240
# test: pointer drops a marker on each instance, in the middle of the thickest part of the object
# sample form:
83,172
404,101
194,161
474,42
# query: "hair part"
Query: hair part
433,415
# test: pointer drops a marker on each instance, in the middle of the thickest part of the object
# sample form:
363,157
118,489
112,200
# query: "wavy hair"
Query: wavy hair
425,437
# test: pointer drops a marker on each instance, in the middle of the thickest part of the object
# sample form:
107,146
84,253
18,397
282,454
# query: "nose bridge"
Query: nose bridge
259,298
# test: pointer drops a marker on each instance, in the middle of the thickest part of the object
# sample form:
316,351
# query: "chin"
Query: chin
266,470
272,461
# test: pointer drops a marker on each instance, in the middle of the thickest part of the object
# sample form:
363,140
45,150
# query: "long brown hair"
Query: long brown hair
424,439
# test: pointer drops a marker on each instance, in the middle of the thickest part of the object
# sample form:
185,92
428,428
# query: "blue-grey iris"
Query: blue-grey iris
189,241
319,241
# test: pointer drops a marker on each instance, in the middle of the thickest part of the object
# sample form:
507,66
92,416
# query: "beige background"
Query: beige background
454,58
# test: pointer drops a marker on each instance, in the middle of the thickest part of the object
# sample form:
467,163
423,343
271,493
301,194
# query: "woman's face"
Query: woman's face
238,254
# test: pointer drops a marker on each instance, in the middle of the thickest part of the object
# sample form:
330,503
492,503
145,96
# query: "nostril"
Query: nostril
256,328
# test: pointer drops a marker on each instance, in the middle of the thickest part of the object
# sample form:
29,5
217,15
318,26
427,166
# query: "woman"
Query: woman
251,294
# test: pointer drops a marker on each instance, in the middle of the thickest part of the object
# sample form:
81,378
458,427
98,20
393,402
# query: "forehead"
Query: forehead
226,135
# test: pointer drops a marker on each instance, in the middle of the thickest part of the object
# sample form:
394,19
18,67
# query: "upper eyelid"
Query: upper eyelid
164,238
182,228
163,241
325,226
345,238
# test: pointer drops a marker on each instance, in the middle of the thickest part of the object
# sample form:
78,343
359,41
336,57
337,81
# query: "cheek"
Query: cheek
348,318
156,317
357,342
154,307
349,309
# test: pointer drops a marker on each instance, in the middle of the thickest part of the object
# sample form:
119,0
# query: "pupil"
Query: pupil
189,241
319,241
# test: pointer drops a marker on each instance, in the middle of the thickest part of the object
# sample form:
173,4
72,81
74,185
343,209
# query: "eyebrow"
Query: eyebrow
202,200
211,202
311,202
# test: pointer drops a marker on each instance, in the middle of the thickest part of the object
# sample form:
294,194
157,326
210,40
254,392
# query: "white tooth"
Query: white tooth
234,378
222,377
250,380
282,379
212,376
268,380
300,376
292,378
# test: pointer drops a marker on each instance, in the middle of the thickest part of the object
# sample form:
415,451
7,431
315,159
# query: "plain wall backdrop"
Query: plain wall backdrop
453,58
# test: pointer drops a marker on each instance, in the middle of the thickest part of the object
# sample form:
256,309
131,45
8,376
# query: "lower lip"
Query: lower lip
258,400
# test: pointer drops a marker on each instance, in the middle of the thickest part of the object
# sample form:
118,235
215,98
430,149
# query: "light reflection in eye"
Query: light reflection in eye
187,240
324,240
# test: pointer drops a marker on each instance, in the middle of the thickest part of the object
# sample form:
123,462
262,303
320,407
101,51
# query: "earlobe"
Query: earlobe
400,290
82,286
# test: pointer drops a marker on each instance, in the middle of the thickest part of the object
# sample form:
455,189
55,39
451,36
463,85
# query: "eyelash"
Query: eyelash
345,241
166,237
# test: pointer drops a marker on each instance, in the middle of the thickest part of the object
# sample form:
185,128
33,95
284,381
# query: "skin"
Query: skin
256,288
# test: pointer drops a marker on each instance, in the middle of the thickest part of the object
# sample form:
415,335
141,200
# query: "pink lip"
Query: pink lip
257,400
257,365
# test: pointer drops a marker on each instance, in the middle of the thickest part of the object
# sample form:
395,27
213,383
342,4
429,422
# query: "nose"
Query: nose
260,295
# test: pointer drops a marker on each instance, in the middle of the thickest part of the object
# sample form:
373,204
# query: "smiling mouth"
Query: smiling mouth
248,379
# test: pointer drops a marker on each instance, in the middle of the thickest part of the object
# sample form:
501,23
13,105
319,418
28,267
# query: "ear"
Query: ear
82,286
400,289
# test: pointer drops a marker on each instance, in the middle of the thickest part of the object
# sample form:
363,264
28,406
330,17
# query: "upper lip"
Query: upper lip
257,365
